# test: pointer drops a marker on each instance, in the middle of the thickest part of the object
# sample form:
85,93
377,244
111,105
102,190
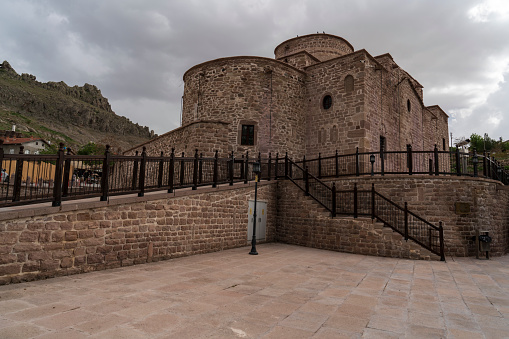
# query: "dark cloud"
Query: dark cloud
136,52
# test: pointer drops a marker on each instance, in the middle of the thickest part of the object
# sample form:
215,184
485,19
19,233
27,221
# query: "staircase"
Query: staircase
378,217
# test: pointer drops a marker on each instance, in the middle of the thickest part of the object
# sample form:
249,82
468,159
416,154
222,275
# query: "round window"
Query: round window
327,102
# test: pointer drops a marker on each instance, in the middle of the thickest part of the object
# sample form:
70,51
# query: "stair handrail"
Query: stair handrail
407,231
306,177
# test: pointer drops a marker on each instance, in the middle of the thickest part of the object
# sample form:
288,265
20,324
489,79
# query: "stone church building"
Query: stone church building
317,95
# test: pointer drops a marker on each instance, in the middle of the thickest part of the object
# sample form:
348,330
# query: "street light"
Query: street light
256,171
372,160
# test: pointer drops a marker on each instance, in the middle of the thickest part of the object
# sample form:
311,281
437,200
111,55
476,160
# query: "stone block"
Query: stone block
8,238
8,269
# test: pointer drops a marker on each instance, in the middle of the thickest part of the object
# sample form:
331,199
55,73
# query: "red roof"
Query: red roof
19,141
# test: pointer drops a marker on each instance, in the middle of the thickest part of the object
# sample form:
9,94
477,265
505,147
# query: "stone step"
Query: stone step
415,251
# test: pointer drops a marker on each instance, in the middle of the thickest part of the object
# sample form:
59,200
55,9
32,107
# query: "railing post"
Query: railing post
270,165
437,167
382,160
57,184
67,170
232,168
182,170
200,169
246,167
195,170
373,216
277,164
242,166
406,220
458,162
355,201
171,171
484,162
143,167
475,161
357,169
333,212
286,165
306,178
319,166
160,176
135,173
488,165
105,174
409,158
1,154
214,176
337,164
442,245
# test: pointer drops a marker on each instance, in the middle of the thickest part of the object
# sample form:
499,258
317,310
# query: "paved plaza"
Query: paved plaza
284,292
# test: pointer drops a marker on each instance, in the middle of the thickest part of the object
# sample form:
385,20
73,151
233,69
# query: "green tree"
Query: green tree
482,144
91,149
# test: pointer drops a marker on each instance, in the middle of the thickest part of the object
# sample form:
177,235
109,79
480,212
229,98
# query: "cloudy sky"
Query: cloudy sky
136,52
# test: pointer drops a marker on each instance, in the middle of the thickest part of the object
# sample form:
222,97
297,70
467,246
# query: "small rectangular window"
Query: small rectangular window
383,147
443,143
247,136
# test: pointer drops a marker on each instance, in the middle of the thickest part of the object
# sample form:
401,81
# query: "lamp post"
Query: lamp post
372,160
256,171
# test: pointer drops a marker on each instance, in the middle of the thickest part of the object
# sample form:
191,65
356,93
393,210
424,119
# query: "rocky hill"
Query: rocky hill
59,113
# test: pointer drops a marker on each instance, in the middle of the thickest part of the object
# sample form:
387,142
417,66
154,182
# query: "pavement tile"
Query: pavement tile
283,332
22,331
371,333
427,320
332,333
66,319
297,292
120,332
304,321
423,332
389,324
457,333
158,323
11,306
65,334
38,312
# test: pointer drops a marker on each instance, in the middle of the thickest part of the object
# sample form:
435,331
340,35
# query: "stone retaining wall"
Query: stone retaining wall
81,237
463,204
302,221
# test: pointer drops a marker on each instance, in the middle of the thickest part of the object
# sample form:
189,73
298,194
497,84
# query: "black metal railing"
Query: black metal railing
368,203
29,178
408,162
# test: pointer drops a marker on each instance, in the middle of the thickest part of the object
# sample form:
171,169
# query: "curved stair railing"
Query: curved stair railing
368,203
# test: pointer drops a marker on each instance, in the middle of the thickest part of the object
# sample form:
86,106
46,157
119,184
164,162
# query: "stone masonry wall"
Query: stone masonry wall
461,203
302,221
206,136
344,125
321,46
85,237
249,91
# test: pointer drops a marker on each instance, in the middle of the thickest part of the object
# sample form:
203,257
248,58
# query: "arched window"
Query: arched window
349,83
334,134
327,102
321,136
